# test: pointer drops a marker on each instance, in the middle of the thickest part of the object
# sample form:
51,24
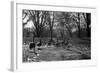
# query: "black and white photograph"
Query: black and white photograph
55,36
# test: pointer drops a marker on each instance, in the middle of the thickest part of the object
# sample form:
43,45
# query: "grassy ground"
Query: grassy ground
78,50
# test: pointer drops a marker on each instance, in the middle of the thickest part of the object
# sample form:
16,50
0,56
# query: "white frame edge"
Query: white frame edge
14,64
13,37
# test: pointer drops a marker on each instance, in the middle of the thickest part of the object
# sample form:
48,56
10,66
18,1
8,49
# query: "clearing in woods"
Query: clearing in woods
77,50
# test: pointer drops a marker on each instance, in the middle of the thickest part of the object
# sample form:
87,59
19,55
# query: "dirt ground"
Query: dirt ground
77,50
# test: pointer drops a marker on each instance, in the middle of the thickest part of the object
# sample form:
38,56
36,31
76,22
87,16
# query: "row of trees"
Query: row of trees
62,22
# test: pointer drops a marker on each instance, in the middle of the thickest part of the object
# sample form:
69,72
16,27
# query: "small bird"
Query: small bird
49,43
39,43
66,43
57,43
32,45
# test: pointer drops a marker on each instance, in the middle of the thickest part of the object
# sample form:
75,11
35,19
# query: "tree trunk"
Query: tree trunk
79,34
51,33
69,30
79,31
88,15
37,26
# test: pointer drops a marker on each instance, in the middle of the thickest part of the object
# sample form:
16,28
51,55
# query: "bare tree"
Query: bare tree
50,20
87,17
65,19
38,18
77,19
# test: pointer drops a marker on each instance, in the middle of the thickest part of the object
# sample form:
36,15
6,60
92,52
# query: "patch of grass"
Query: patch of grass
78,51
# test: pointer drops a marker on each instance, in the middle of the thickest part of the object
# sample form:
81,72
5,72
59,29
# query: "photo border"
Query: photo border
16,63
